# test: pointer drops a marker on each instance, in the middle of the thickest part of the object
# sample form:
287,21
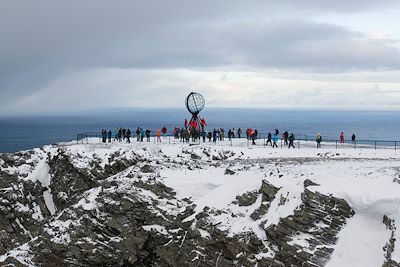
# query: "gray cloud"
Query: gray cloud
46,40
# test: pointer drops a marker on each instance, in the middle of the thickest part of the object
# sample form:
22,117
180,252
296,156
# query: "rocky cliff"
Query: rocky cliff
96,205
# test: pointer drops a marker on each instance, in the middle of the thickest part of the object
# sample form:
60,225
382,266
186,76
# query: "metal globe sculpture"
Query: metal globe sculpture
195,103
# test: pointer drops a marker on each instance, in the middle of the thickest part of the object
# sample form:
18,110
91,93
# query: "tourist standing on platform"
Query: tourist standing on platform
239,132
254,136
203,123
353,138
291,140
148,131
341,137
109,136
185,123
203,135
269,139
158,134
120,134
103,136
141,134
285,138
230,135
319,140
182,134
214,136
116,134
164,131
275,138
138,134
128,135
187,135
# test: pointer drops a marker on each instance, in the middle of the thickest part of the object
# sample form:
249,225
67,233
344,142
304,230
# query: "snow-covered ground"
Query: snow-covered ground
367,179
364,177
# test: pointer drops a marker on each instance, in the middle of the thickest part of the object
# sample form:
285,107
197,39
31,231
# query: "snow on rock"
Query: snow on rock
171,204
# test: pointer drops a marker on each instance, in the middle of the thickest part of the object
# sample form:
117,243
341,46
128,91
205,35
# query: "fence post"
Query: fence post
169,139
355,144
395,145
298,143
336,144
281,143
375,144
264,142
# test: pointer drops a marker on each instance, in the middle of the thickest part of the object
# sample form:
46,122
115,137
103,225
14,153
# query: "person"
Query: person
148,131
269,139
109,136
209,136
120,134
275,139
128,135
138,134
341,137
239,132
182,134
353,138
164,130
116,134
276,131
230,135
187,135
103,135
319,140
291,140
185,123
124,134
221,134
203,135
158,134
254,136
214,135
285,137
141,134
202,123
248,133
193,133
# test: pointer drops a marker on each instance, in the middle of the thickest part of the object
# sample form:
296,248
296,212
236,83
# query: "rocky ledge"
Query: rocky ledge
89,206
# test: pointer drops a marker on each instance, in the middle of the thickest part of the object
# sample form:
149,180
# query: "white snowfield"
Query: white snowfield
368,179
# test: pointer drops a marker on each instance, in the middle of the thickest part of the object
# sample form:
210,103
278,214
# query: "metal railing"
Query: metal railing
261,140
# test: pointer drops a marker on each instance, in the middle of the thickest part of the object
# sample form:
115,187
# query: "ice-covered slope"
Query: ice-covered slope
208,205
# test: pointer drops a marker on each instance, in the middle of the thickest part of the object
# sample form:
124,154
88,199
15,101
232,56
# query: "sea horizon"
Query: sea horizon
22,132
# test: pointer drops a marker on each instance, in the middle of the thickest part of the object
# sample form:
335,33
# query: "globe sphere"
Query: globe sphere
195,102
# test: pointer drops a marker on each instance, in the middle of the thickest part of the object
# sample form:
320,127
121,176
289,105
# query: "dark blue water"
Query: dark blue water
21,133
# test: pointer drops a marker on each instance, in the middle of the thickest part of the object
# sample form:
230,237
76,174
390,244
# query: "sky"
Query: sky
67,56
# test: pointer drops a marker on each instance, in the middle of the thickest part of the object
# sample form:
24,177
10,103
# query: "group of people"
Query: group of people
190,131
341,138
288,139
119,134
122,134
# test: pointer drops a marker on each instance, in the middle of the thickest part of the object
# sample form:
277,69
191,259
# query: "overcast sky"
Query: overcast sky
58,56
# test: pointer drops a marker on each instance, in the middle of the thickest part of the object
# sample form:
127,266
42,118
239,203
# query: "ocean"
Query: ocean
25,132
